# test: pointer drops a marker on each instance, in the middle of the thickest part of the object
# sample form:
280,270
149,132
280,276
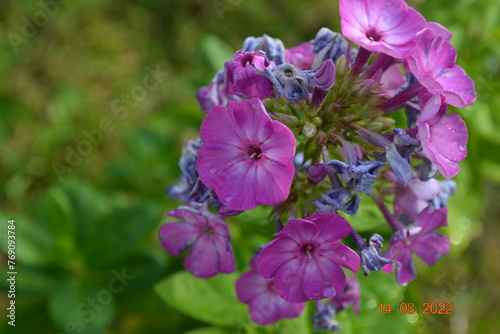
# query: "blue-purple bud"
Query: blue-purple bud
338,199
273,47
324,77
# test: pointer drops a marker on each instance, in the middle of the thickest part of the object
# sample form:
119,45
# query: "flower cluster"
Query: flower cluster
309,129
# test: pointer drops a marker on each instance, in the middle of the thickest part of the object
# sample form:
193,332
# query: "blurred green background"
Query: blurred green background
88,145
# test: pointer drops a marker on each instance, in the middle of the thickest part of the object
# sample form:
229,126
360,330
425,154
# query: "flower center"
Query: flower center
247,60
254,152
207,230
307,250
373,35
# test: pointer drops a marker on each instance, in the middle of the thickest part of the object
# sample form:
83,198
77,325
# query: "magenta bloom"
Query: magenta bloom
381,26
413,199
245,75
432,61
246,157
420,239
265,306
207,237
301,56
305,258
443,136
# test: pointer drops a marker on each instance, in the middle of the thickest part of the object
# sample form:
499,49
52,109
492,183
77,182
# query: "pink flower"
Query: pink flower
305,258
246,157
432,61
265,306
244,75
302,56
205,235
412,199
386,26
420,239
443,136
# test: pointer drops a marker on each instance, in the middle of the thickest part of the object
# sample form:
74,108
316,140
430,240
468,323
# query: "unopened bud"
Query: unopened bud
324,78
309,130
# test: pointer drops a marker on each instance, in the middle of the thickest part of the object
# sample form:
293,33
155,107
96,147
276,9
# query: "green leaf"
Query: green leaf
119,233
78,306
208,330
368,217
58,218
211,300
216,51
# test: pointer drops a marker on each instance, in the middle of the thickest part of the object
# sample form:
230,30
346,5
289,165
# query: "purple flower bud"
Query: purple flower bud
360,176
324,78
272,47
317,173
371,256
245,75
330,45
338,199
290,82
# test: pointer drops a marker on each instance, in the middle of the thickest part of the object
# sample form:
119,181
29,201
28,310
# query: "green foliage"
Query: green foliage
102,214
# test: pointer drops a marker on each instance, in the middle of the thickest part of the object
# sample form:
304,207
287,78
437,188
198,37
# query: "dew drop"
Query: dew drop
462,148
345,258
212,170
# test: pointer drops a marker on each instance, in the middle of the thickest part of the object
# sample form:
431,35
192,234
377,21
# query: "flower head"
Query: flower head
265,306
420,239
246,157
244,75
306,256
385,26
205,235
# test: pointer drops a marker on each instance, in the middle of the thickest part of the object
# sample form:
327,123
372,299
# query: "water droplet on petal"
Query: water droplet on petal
462,148
345,258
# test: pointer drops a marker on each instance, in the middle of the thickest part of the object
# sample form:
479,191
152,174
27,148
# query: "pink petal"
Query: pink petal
275,254
219,126
302,231
177,237
250,285
235,186
447,167
449,137
208,257
288,281
214,158
253,120
430,108
269,308
340,254
425,190
439,30
431,220
458,88
321,278
272,182
405,270
330,226
202,260
281,147
431,247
